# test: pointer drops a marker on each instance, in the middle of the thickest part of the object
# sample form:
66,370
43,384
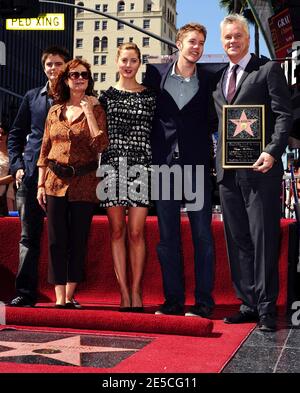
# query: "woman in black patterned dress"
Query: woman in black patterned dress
125,166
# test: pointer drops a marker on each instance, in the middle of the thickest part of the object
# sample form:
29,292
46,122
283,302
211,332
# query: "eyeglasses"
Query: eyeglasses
75,75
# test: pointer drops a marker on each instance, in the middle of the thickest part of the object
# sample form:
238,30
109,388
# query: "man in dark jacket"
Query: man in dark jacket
250,198
24,145
181,141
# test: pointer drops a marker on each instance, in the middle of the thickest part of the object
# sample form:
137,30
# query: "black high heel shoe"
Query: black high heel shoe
70,306
125,309
137,309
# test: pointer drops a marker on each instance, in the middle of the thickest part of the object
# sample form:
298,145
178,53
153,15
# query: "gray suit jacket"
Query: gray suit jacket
262,83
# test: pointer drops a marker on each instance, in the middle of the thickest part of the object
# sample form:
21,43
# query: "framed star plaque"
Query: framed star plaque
243,135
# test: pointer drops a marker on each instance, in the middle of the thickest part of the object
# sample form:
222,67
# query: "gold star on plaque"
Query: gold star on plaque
243,124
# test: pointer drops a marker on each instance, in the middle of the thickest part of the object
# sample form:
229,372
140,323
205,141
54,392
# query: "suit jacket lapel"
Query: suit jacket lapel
249,68
220,85
164,76
200,79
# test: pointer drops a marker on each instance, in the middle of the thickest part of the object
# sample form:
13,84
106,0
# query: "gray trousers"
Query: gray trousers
251,212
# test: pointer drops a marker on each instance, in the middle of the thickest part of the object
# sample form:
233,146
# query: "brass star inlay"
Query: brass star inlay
243,124
66,350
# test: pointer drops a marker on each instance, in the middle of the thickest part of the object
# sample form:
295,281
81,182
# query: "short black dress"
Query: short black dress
126,163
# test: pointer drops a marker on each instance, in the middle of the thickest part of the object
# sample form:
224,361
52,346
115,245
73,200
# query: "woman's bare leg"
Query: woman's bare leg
117,223
137,251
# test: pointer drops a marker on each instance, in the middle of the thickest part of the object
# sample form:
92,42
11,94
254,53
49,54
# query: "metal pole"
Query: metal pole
2,89
155,36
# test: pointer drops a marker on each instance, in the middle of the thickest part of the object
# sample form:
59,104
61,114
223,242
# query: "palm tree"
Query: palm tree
241,6
233,5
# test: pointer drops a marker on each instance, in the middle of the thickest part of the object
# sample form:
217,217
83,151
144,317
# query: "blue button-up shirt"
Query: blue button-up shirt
181,89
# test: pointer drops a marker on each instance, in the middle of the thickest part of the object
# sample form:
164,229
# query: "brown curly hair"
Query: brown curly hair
192,26
61,91
4,128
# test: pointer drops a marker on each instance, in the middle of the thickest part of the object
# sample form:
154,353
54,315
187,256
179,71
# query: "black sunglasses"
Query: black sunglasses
76,75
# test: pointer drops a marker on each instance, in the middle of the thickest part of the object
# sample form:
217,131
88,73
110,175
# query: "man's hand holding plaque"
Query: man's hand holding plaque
264,162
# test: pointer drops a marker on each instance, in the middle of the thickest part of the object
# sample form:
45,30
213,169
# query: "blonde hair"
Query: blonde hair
232,18
129,46
190,27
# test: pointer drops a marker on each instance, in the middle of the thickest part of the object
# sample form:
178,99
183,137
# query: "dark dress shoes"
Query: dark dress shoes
267,323
170,309
199,310
21,301
242,317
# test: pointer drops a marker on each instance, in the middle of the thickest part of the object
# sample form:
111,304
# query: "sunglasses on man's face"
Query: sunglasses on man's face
75,75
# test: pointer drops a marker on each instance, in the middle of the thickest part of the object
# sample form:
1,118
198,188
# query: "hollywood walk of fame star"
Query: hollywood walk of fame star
243,124
66,350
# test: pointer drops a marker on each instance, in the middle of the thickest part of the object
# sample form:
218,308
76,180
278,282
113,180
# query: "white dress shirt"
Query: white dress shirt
242,64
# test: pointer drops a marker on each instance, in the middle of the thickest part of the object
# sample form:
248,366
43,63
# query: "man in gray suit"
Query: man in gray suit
250,198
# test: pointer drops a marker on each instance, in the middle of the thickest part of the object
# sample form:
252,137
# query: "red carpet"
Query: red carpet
164,354
182,351
101,286
109,320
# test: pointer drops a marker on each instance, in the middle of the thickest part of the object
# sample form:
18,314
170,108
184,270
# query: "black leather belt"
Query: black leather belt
70,171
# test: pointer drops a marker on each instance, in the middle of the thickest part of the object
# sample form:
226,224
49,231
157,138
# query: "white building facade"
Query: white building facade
97,37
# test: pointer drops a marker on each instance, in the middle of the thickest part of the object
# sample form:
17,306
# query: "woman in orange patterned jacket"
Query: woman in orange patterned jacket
75,134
